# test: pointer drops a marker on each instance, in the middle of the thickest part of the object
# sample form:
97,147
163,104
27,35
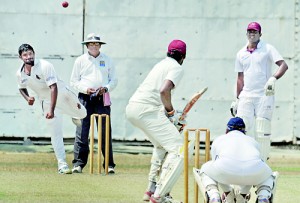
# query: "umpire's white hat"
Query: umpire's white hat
92,37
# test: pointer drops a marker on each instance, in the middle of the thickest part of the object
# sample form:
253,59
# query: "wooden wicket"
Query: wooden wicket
92,129
197,157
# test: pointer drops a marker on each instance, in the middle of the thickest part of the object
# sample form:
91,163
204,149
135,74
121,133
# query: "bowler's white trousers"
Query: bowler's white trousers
67,103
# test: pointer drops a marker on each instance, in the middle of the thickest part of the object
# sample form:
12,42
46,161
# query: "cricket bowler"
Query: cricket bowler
55,97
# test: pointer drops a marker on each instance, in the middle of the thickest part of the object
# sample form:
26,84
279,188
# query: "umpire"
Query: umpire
94,78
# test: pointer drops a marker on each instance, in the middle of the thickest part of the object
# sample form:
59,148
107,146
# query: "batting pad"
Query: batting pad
263,126
264,142
172,170
198,179
275,176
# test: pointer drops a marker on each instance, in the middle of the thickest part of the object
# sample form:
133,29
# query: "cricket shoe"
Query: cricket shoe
169,199
147,196
215,200
111,170
77,169
262,200
65,170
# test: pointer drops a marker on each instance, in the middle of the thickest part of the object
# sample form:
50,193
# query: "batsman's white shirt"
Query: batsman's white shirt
91,72
257,67
145,109
149,91
236,160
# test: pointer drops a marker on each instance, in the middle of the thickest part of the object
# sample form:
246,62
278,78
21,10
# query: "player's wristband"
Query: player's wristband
171,113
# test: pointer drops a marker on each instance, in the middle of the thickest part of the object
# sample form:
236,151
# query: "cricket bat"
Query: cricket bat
191,103
188,107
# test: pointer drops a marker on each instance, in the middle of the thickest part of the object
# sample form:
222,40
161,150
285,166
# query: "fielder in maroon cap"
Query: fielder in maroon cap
256,85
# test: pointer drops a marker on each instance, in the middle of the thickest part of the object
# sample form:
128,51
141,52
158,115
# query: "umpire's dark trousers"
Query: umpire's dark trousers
81,145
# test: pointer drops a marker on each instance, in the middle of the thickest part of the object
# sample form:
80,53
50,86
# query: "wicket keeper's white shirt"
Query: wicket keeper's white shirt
91,72
256,67
236,160
149,91
42,75
235,145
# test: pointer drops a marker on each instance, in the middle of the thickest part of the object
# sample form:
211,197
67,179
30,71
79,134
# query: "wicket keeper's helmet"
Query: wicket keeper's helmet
236,123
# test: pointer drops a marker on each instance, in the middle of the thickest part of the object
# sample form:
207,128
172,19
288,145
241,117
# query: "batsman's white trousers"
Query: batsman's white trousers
66,103
159,130
154,123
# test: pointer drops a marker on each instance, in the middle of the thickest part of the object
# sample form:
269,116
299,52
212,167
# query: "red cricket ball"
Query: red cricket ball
65,4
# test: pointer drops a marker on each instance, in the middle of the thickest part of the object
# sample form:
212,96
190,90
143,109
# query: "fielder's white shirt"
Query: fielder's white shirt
257,67
149,91
41,77
91,72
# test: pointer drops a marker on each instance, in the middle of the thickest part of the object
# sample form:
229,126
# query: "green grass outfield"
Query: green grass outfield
29,174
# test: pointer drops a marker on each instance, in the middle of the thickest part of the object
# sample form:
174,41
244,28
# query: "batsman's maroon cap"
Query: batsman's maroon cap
177,45
254,26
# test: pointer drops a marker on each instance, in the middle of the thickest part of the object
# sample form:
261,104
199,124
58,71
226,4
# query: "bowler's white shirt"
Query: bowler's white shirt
257,67
42,75
91,72
149,91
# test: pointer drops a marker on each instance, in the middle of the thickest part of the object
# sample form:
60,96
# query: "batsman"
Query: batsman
151,110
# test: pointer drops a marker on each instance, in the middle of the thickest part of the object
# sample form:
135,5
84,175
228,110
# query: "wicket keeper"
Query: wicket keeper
236,161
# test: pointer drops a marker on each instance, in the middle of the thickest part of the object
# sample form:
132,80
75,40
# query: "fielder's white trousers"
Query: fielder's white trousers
249,108
67,103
